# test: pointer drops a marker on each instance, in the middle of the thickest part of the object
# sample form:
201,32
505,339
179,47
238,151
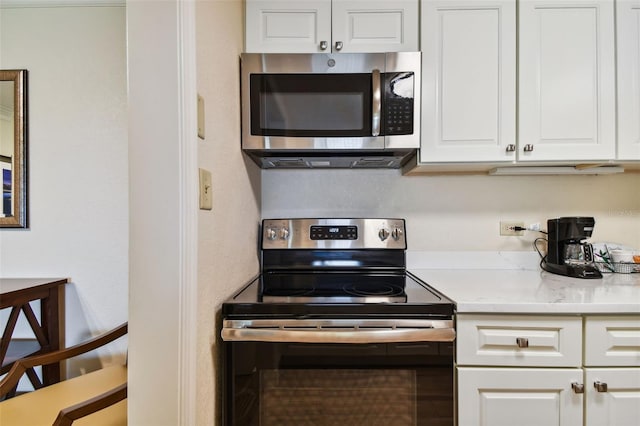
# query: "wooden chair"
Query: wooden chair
97,398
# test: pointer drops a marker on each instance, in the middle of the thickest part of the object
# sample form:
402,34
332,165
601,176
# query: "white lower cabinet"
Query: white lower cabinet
548,370
612,370
612,396
518,396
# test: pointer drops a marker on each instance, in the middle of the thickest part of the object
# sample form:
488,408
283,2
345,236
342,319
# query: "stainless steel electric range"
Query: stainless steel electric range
335,330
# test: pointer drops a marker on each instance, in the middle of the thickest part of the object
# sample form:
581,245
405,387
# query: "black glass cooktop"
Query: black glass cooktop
337,293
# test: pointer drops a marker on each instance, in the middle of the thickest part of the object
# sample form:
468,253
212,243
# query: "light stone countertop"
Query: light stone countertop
507,283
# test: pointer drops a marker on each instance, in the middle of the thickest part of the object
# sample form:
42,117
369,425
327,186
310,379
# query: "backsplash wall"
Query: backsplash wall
459,213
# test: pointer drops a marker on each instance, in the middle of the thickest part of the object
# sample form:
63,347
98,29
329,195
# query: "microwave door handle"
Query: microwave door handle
376,104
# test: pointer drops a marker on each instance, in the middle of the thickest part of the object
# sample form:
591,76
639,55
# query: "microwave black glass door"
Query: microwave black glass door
311,105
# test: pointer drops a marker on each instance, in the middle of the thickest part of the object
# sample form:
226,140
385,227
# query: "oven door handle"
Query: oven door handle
338,335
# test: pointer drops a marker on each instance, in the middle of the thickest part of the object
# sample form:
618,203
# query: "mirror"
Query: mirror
13,148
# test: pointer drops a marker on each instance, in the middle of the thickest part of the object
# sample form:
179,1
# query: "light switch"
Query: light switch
200,117
206,196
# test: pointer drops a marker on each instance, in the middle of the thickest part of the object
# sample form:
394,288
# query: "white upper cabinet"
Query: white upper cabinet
628,27
375,26
566,69
287,26
469,80
316,26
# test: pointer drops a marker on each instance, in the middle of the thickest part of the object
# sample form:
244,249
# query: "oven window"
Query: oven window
295,384
326,397
310,105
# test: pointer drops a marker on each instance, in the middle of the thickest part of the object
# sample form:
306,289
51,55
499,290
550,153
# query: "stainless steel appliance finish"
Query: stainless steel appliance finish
339,331
356,110
333,234
334,330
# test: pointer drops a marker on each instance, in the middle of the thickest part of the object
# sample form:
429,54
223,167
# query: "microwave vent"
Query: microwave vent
378,163
331,160
286,163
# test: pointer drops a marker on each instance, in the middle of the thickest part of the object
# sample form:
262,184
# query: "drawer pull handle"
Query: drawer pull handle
600,386
522,342
577,387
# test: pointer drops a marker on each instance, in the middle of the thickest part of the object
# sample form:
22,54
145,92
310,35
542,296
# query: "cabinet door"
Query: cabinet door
619,403
375,26
566,80
469,86
523,397
628,27
287,26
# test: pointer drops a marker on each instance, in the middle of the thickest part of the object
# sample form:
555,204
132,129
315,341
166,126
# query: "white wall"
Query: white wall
228,233
158,59
459,213
161,212
77,153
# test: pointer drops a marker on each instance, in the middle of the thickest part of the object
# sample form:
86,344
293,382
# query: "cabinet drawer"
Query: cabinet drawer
514,340
612,341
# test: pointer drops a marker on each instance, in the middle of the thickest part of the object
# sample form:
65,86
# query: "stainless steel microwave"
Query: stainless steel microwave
330,110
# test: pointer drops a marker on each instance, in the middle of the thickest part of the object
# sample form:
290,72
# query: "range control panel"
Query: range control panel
329,232
336,233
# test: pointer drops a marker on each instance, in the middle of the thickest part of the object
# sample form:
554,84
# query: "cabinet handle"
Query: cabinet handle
600,386
323,45
522,342
577,387
338,45
528,147
511,147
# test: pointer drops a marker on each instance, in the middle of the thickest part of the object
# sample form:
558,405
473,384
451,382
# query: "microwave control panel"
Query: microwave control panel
399,103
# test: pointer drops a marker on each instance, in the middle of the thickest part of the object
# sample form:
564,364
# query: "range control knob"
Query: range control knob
271,234
396,234
284,233
383,234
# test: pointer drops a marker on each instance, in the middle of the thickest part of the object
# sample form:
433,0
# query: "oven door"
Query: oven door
335,372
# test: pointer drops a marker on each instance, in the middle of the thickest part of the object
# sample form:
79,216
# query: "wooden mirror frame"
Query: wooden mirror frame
18,161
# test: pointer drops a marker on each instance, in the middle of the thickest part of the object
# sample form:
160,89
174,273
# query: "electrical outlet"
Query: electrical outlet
507,228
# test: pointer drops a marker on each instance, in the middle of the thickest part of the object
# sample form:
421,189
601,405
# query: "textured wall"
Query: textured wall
78,165
228,233
459,212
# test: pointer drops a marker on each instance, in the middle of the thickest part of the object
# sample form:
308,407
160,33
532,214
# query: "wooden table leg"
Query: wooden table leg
52,318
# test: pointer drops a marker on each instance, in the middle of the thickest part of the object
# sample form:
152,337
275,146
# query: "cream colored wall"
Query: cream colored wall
228,233
77,157
459,213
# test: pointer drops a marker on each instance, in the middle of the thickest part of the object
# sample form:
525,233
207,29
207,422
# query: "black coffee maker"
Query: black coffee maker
568,253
